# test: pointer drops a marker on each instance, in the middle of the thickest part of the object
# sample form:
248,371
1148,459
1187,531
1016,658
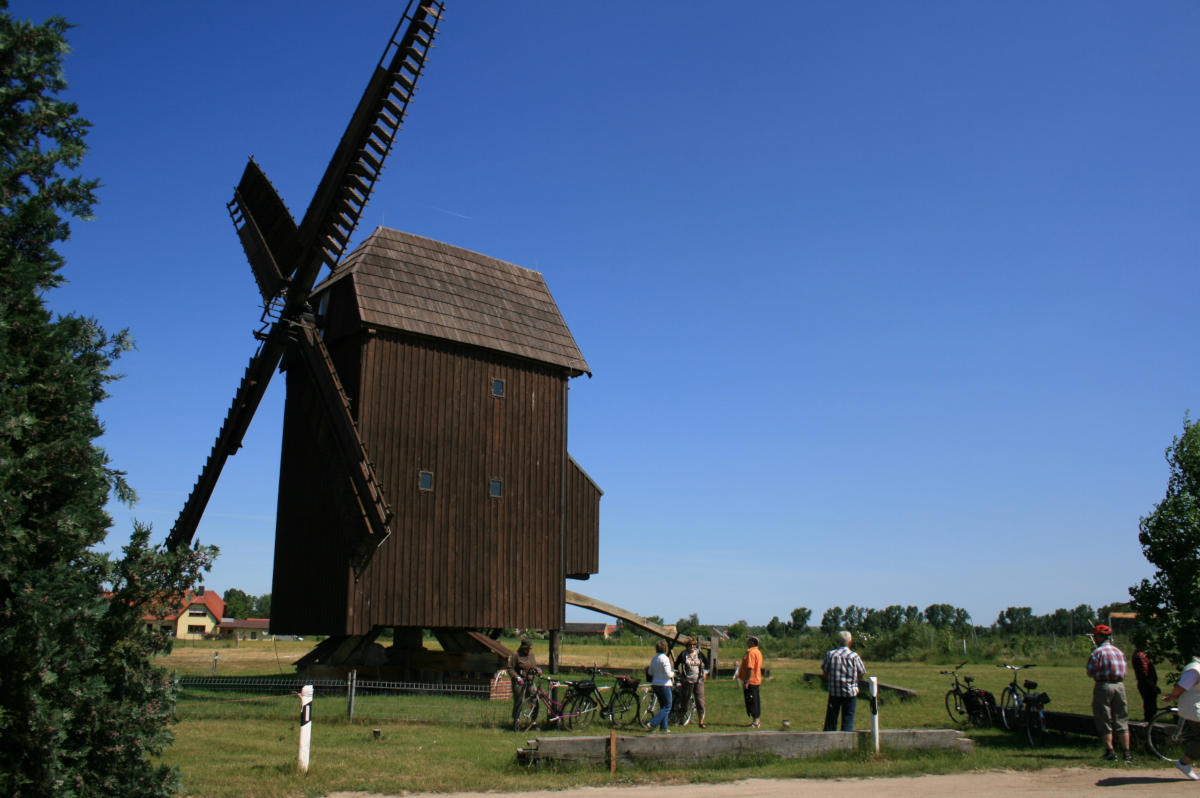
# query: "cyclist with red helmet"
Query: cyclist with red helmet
1109,708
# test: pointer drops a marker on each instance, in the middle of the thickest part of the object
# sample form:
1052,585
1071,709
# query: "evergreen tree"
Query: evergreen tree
83,711
1168,604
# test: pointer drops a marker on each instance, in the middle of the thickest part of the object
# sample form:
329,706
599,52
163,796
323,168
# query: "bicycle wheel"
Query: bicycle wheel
647,708
1008,709
981,717
955,708
624,708
579,712
681,714
526,714
1035,727
1164,735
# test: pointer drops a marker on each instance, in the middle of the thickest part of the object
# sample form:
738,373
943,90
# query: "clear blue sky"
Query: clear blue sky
886,302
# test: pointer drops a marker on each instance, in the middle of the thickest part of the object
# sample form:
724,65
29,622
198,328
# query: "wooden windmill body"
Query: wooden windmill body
457,367
425,481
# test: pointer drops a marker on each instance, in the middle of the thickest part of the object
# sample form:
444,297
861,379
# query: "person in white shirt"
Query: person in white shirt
661,677
1187,693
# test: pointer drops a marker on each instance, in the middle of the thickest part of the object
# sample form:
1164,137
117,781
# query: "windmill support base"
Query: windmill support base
466,655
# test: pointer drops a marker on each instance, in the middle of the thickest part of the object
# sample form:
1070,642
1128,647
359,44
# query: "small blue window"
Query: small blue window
495,488
498,389
425,481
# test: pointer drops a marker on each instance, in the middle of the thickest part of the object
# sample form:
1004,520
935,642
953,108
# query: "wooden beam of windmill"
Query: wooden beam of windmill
286,259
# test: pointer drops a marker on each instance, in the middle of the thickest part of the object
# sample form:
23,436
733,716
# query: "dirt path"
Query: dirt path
1158,782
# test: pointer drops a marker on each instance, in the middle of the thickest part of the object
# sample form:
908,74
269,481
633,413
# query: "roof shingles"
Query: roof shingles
418,285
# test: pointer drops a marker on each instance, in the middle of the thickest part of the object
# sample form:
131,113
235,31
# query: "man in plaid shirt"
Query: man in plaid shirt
842,669
1110,709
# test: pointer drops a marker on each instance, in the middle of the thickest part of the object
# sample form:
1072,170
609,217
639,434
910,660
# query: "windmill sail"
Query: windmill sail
268,234
350,177
374,508
286,259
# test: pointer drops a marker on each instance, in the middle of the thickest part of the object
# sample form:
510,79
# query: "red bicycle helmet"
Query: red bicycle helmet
1102,629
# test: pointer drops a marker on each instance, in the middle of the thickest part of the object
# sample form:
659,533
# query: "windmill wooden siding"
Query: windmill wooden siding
419,332
583,531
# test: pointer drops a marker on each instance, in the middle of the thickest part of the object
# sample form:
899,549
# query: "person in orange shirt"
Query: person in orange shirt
750,675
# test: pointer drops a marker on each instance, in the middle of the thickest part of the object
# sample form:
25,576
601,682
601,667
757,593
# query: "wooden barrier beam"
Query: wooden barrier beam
903,693
697,747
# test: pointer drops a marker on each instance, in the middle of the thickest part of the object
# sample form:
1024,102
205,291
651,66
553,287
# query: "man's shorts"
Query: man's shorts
1109,707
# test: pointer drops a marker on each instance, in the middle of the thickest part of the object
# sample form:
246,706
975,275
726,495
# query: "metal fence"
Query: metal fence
361,699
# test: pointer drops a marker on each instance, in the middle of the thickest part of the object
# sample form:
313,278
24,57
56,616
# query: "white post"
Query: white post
306,694
875,711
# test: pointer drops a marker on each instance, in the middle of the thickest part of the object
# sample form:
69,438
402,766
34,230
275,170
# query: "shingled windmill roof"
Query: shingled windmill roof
421,286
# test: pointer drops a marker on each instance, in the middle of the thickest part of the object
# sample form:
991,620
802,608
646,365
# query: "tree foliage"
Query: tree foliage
689,626
82,710
831,620
238,603
800,617
1169,602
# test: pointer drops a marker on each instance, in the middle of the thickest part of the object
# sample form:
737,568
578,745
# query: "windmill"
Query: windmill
425,482
286,260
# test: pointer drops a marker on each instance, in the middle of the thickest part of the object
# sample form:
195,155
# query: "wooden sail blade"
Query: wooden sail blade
246,400
373,507
358,160
269,235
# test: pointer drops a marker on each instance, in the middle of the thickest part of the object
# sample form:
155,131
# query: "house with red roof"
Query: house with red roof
245,629
198,617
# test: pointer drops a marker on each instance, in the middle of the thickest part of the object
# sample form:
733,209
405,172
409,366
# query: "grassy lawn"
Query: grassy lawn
247,746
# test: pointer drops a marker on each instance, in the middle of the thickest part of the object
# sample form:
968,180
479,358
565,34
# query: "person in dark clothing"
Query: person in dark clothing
691,666
1147,679
522,667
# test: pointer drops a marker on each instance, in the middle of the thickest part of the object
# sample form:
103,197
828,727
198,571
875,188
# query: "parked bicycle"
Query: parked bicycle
681,712
967,704
1022,707
1165,734
539,701
587,702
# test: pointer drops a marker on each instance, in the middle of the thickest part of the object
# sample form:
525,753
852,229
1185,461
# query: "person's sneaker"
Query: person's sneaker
1128,757
1109,756
1188,771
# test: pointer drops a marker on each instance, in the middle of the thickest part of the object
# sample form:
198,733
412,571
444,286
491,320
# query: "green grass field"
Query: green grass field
247,746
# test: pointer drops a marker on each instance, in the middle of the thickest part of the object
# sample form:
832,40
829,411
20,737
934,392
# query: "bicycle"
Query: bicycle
562,713
586,702
1165,734
681,713
1012,697
1035,718
966,704
1022,707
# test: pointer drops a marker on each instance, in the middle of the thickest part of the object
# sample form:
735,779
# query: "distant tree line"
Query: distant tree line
939,632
